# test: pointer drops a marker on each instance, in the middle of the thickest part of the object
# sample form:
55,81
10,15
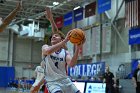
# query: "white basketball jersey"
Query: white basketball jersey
56,66
40,73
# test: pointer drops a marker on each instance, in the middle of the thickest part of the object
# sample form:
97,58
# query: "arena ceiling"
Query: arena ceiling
34,9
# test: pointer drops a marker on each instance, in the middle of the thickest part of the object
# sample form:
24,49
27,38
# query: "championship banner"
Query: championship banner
68,18
103,5
93,69
134,36
78,14
59,22
132,11
90,9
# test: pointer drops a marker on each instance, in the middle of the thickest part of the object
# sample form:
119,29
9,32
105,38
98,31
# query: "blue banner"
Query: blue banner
134,64
94,69
68,18
103,5
134,36
78,14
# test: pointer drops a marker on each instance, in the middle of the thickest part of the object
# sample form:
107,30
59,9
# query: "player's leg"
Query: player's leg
67,85
32,89
35,88
54,87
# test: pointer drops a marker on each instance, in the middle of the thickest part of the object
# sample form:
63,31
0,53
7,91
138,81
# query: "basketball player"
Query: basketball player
56,58
39,74
4,23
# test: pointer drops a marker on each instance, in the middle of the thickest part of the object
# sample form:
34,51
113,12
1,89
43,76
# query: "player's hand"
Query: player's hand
67,38
19,5
48,14
81,44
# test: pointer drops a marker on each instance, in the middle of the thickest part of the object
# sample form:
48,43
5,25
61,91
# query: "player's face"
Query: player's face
56,38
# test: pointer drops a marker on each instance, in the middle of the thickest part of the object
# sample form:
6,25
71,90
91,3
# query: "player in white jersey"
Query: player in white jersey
39,73
57,58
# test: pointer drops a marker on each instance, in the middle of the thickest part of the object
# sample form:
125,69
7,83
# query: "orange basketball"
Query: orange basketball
77,36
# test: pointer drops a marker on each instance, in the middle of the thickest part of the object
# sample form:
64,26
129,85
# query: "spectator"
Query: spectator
136,79
108,78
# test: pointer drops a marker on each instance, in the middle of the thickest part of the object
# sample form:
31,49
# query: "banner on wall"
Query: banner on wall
134,64
87,45
106,37
134,36
103,5
90,9
95,87
59,22
132,11
94,69
95,45
78,14
129,0
68,18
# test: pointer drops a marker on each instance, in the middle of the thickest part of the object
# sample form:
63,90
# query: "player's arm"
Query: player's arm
72,61
134,78
114,79
134,81
104,77
47,50
49,16
10,17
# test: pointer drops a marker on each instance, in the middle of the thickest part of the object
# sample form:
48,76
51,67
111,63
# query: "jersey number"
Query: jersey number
56,64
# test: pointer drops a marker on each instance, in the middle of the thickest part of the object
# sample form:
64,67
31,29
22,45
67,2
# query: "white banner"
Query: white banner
87,45
95,88
95,44
106,38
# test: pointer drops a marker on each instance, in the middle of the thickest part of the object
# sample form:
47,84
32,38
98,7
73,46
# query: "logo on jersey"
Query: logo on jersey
56,59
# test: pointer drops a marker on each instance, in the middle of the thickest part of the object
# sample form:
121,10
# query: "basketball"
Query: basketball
77,36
